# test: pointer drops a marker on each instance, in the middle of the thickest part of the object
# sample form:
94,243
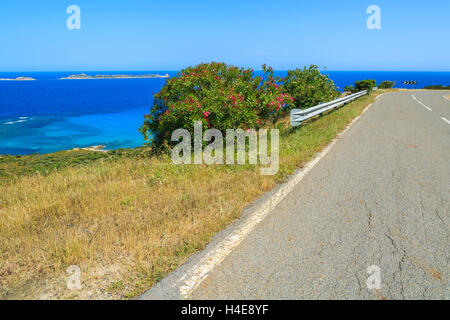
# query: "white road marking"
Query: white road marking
445,120
195,276
414,97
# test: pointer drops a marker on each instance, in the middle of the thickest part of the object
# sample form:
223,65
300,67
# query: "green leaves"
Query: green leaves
365,85
309,87
220,96
349,88
386,85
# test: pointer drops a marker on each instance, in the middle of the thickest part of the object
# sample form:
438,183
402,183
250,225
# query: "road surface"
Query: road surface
380,197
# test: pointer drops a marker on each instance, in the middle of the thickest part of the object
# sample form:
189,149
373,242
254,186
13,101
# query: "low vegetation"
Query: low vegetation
125,217
349,88
365,85
17,165
438,87
361,85
386,85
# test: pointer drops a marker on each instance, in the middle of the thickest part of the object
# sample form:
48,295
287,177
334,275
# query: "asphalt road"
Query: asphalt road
380,196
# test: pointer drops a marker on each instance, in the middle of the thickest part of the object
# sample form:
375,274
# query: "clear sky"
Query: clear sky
172,34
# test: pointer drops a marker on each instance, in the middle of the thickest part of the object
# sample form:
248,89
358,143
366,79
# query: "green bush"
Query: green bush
386,85
438,87
220,96
349,88
365,85
309,87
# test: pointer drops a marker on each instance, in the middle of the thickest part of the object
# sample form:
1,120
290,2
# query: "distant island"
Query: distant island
113,76
18,79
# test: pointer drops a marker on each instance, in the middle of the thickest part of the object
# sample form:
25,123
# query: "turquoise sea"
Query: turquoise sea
49,115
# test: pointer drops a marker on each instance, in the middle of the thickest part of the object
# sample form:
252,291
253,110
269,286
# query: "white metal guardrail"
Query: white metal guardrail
299,115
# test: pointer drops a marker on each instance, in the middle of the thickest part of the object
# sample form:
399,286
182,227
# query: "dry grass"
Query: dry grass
129,222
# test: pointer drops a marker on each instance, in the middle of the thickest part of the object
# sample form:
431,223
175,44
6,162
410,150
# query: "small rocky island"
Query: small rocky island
113,76
18,79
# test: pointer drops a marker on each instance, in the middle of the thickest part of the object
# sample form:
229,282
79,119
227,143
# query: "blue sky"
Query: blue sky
169,35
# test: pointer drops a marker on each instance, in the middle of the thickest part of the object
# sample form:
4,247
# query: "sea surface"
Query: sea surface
49,115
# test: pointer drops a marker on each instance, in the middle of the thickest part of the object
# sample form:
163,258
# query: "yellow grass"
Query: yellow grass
129,222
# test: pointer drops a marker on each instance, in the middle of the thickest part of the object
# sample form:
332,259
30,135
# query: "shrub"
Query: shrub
309,87
386,85
349,88
220,96
365,85
438,87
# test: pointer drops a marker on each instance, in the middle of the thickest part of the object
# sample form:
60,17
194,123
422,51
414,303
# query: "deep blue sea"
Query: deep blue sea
49,115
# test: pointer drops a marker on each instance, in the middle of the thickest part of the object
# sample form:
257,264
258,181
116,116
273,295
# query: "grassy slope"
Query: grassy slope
125,218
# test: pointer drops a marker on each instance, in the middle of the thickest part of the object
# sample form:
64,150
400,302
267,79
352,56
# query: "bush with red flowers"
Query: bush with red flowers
220,96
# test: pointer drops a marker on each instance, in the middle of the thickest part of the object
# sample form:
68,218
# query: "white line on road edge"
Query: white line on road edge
445,120
414,97
200,272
